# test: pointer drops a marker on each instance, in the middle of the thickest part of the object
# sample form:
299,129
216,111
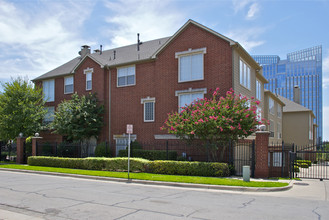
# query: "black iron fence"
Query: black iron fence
278,160
8,151
236,154
73,150
310,161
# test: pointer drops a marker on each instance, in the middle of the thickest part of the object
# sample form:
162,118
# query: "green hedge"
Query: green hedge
150,154
136,165
91,163
189,168
308,162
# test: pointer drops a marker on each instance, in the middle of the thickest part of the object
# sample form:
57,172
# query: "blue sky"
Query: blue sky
39,35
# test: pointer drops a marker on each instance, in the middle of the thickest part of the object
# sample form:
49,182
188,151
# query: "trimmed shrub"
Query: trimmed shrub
296,169
149,154
90,163
303,165
308,162
189,168
101,150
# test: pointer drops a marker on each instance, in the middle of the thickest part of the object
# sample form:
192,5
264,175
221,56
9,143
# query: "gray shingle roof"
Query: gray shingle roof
291,106
123,55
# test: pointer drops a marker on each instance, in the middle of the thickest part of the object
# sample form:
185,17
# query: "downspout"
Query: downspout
109,105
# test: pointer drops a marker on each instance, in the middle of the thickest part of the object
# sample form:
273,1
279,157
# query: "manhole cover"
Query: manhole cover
301,184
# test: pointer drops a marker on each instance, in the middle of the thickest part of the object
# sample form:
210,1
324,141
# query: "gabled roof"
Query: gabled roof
275,97
123,56
129,55
190,21
291,106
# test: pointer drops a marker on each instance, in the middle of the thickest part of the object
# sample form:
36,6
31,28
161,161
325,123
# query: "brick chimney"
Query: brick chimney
85,50
297,94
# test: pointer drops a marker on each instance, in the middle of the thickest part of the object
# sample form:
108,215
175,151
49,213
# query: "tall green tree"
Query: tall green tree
79,118
21,109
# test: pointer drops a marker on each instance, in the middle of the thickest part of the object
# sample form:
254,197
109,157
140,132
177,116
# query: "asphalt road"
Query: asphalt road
33,196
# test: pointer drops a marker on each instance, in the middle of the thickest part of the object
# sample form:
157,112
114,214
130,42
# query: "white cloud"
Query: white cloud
35,39
247,37
253,10
250,7
152,19
325,71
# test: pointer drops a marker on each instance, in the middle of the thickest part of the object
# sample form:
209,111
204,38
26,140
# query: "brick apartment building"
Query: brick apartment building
139,84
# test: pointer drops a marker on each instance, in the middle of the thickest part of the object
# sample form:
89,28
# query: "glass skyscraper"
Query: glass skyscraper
302,68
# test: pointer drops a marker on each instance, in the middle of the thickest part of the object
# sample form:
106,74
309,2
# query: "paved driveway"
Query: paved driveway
33,196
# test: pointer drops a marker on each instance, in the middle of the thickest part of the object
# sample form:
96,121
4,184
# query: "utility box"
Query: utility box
246,173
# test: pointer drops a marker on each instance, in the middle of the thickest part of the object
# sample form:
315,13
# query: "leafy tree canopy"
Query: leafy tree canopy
79,118
21,109
216,119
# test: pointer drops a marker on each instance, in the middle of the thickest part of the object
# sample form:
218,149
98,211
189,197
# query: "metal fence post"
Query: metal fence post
106,148
167,149
253,162
56,151
282,157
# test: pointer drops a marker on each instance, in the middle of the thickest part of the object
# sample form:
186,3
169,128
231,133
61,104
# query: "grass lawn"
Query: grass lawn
151,176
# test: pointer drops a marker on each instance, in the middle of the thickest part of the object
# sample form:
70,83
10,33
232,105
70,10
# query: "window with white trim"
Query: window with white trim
258,90
126,76
190,65
244,74
271,106
149,110
68,84
186,97
259,114
310,133
271,128
279,112
88,72
48,89
279,132
49,117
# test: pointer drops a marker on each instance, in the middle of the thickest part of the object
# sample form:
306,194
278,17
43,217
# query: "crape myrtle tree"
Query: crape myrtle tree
21,109
79,119
216,120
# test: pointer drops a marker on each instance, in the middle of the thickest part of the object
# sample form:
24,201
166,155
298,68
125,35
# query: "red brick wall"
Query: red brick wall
159,79
261,151
99,85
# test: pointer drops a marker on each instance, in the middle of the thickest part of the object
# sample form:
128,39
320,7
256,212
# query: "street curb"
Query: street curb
148,182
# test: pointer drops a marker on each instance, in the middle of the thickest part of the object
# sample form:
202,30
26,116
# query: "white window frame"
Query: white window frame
126,76
244,70
310,133
258,90
49,116
87,72
47,90
279,111
279,130
190,52
189,91
271,109
272,128
65,78
148,100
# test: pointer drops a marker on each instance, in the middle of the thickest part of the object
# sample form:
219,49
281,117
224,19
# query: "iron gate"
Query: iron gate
311,162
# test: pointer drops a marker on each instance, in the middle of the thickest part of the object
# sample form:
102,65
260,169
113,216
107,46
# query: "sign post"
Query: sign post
129,132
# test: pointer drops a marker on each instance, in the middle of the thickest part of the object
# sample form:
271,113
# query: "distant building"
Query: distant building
302,68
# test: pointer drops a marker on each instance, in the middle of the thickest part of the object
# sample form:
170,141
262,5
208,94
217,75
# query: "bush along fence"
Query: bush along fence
264,160
136,165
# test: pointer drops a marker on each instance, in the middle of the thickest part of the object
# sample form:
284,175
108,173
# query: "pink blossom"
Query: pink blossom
192,132
221,129
257,102
247,115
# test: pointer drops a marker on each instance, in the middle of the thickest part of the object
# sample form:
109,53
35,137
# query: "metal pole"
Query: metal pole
167,150
128,155
282,157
